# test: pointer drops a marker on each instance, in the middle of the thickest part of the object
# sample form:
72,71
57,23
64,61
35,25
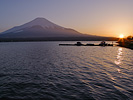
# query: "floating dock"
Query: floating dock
84,45
79,44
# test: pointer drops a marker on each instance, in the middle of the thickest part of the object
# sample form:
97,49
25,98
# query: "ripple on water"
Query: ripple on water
44,70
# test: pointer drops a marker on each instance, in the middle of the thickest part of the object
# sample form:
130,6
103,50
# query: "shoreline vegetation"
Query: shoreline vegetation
126,42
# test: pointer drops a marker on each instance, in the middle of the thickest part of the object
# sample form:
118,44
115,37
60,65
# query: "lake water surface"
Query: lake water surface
47,71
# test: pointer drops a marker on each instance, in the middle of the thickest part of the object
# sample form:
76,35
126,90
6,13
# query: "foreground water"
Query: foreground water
46,71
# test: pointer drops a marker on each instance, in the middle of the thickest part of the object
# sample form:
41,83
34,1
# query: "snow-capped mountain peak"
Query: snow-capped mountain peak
42,22
38,21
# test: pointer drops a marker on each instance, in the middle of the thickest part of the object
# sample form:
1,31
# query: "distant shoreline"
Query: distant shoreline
58,39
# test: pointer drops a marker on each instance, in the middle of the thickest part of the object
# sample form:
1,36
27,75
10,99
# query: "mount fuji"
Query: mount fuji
40,28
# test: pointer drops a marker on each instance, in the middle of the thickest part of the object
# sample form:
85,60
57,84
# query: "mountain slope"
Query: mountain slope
40,27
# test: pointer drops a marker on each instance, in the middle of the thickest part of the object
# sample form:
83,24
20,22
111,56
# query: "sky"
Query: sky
95,17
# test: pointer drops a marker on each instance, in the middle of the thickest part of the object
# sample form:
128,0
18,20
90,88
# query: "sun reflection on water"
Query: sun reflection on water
118,61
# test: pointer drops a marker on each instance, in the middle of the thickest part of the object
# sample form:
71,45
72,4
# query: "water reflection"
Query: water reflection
118,61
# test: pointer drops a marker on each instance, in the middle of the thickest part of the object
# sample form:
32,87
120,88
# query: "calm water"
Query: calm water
46,71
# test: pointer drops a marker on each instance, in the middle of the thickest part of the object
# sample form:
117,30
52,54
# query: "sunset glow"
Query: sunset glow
94,17
121,36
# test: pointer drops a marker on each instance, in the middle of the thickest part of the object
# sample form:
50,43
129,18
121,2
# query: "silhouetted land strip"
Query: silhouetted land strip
58,39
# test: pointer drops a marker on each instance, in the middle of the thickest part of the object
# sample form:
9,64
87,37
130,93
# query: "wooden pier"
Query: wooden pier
80,44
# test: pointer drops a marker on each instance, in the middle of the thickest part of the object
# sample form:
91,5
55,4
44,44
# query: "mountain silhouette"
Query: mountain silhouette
40,27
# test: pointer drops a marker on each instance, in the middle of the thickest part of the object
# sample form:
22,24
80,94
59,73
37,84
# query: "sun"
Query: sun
121,36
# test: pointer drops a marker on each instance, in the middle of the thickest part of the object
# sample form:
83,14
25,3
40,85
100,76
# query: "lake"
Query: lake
47,71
